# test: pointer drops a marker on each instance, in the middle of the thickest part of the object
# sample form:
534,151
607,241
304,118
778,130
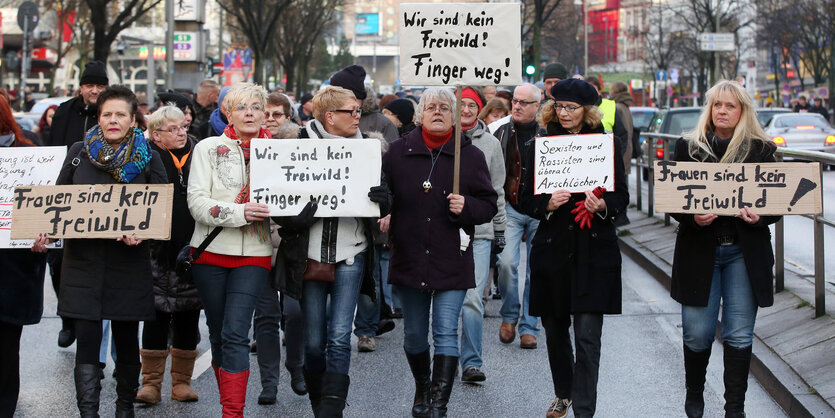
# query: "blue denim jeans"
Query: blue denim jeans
472,313
368,311
508,266
445,306
389,292
729,284
229,296
327,326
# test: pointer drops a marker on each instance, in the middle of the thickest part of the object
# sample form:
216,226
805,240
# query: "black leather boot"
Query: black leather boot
419,363
127,383
334,392
88,389
737,364
695,367
443,376
313,381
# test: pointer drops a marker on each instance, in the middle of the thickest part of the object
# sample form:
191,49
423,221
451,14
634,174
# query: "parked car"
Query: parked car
675,121
805,131
764,114
641,117
30,119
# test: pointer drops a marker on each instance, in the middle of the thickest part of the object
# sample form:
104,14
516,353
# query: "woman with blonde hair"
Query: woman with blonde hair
725,259
233,270
494,110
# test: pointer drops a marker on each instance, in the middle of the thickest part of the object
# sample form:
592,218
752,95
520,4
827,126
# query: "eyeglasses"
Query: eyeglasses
274,115
353,112
432,109
470,106
253,108
174,130
523,103
568,108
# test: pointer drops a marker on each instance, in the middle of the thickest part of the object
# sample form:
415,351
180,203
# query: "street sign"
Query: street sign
661,75
716,42
185,46
674,75
28,12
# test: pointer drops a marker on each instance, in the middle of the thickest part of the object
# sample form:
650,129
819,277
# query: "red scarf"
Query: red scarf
230,132
434,141
467,128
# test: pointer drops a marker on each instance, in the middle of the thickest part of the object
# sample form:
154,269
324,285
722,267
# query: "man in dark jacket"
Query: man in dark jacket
205,102
71,121
514,137
820,108
74,117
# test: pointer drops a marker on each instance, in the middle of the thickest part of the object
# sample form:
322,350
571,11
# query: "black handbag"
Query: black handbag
185,258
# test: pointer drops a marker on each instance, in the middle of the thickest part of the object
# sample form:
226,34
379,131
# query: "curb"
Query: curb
786,387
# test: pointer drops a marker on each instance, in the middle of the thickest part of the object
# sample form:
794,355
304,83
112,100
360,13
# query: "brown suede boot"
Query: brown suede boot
153,368
182,366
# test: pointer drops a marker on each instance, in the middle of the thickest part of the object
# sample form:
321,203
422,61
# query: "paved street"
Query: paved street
641,372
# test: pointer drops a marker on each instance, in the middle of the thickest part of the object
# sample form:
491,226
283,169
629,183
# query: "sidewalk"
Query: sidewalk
794,353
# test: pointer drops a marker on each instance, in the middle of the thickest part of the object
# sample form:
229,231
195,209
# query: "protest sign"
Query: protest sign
460,44
93,211
723,189
287,173
23,166
574,162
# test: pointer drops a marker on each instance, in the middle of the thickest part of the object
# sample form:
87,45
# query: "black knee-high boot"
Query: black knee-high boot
127,383
88,389
313,381
419,363
334,393
443,376
737,364
695,367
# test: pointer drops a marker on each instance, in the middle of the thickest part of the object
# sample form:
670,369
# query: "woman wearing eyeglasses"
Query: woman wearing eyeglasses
575,261
175,298
341,245
431,231
232,272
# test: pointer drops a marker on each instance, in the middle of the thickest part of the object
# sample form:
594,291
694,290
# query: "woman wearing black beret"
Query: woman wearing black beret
575,260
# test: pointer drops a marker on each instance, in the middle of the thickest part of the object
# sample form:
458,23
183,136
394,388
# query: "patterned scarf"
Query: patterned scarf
123,163
260,229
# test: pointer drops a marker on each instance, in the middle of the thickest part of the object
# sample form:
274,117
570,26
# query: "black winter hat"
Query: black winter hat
403,109
178,99
94,73
306,98
352,78
575,90
555,70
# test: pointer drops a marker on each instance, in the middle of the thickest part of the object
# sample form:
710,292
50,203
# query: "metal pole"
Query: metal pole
23,69
169,46
456,176
586,37
820,267
152,73
779,260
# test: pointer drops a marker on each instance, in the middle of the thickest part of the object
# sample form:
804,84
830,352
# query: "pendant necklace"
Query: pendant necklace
427,185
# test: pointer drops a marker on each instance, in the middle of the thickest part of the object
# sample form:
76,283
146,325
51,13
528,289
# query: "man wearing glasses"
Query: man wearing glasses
514,137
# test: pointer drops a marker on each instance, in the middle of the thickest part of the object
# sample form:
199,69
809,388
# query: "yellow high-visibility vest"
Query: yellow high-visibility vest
608,107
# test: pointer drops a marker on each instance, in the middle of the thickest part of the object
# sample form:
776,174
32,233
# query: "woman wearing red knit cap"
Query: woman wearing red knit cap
431,233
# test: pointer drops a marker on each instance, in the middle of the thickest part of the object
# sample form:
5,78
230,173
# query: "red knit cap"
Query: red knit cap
469,93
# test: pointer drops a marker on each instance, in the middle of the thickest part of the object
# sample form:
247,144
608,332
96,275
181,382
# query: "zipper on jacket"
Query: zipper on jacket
243,177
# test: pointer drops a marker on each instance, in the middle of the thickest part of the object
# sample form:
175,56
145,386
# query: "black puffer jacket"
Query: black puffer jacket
171,292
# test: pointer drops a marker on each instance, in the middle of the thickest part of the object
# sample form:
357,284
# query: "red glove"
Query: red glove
583,216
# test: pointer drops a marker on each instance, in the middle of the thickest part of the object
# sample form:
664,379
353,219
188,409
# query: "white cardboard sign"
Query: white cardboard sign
287,173
476,44
574,162
24,166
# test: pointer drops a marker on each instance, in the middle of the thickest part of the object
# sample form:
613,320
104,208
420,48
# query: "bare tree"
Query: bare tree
534,15
73,15
105,29
559,40
300,26
258,21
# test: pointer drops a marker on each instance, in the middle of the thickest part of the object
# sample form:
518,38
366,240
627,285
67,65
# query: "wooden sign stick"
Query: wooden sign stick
456,179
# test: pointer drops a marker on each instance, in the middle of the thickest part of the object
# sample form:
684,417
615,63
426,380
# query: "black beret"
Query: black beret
575,90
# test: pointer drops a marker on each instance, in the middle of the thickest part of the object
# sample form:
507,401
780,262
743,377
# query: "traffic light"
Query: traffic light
527,61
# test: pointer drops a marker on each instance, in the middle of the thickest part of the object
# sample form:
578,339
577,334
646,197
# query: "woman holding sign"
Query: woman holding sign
105,279
722,258
233,270
329,258
575,259
432,230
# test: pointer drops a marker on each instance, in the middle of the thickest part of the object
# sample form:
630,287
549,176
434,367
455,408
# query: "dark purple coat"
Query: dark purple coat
425,250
